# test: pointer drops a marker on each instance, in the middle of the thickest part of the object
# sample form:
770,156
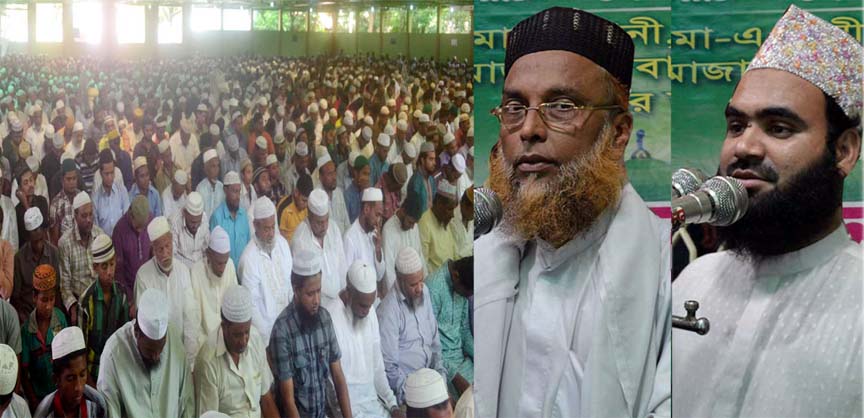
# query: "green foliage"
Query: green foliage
265,20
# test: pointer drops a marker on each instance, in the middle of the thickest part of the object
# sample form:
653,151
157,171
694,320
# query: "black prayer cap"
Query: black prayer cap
577,31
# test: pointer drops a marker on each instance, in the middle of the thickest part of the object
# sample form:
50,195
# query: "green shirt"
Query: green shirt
100,320
36,352
438,241
451,311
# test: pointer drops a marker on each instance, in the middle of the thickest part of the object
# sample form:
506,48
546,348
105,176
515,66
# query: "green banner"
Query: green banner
648,23
712,43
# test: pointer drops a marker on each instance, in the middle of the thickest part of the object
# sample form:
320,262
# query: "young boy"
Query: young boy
37,333
104,307
73,396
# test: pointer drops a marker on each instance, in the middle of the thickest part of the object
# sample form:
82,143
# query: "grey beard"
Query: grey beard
267,247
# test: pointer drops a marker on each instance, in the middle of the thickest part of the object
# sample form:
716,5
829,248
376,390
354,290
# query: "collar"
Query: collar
551,257
807,257
58,406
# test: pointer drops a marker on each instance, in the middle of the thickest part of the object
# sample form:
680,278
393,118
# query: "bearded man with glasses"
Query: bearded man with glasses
573,288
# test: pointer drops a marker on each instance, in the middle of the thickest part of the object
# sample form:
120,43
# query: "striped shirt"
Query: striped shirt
303,353
76,264
99,320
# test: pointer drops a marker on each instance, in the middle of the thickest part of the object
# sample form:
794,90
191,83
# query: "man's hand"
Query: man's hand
73,314
22,198
396,412
460,383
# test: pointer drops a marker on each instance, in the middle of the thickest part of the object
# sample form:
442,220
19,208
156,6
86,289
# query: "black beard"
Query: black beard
307,320
789,217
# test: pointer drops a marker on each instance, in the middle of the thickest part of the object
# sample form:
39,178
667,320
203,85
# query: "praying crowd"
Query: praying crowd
237,236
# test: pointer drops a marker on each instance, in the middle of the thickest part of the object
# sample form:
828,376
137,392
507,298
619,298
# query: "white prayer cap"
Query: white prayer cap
67,341
60,104
157,228
102,248
236,114
322,104
424,118
348,119
389,130
261,142
313,108
306,262
372,194
181,177
138,163
262,101
233,102
153,312
362,277
418,113
231,178
81,199
385,110
471,152
459,163
271,159
8,369
291,127
237,301
367,133
32,219
194,204
368,120
163,146
34,109
58,141
279,138
201,107
280,110
410,150
301,149
383,140
319,203
220,243
32,163
463,117
214,129
77,127
402,125
402,115
264,208
425,388
448,138
408,261
333,112
465,108
324,159
210,154
446,189
391,102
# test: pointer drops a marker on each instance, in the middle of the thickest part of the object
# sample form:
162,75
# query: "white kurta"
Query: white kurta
785,338
359,246
184,154
268,278
395,239
362,362
333,267
209,290
188,248
178,287
464,236
339,211
9,232
583,330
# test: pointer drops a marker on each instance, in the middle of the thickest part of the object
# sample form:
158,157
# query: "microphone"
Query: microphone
686,180
720,201
487,211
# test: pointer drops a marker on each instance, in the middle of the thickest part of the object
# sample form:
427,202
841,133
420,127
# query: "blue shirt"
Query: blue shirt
353,198
237,229
377,168
152,197
212,194
110,206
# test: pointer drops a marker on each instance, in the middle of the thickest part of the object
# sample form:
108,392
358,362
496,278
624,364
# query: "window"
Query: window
321,21
13,22
236,19
170,28
456,19
265,19
206,18
294,21
130,23
424,19
394,19
368,21
87,22
49,22
346,21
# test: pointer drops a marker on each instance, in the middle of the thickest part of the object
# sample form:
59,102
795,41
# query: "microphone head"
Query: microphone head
687,180
730,197
487,211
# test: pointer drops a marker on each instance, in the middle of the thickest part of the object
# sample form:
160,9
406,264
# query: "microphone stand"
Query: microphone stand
700,326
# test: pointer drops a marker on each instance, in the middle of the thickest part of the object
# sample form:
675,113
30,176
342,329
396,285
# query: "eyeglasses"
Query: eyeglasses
561,115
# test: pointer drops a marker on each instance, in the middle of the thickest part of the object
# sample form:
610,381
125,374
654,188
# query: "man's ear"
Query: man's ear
848,150
622,126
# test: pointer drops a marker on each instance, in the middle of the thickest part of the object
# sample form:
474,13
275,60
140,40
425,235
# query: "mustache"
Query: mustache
762,168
